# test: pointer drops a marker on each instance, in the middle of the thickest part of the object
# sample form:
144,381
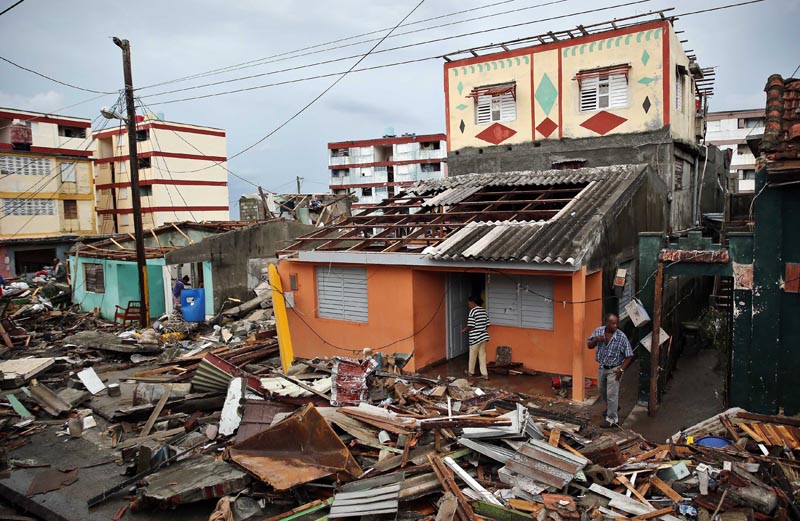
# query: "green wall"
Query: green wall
121,286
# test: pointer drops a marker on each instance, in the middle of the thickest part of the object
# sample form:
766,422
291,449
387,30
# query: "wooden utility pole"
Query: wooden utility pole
655,343
298,184
141,261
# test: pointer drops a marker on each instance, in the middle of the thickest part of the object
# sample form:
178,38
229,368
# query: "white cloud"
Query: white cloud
49,101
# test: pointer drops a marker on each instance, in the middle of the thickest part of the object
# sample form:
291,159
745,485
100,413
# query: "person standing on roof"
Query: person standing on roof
614,354
477,326
176,291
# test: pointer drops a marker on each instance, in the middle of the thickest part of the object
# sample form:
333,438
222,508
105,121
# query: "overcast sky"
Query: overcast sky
70,41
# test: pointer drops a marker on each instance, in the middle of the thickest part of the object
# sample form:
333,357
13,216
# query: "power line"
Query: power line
265,61
10,8
53,79
408,46
55,112
325,91
316,46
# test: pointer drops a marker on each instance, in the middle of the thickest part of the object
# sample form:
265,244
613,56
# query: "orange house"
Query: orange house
541,248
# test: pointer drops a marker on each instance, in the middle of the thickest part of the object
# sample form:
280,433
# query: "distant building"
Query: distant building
372,169
182,175
46,188
729,131
314,209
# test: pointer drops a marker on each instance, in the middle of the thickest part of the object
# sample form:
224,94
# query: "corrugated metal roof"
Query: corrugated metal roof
564,239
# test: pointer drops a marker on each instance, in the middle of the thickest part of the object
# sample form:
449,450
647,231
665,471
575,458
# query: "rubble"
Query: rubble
197,413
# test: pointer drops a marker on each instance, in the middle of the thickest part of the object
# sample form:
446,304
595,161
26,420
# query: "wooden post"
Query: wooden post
652,402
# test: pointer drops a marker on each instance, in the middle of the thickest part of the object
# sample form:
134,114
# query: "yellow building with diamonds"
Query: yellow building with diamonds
622,80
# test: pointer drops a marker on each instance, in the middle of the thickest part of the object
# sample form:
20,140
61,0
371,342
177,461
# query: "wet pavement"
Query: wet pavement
538,385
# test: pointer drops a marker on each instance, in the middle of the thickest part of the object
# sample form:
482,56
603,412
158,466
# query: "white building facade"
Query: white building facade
374,169
182,175
729,131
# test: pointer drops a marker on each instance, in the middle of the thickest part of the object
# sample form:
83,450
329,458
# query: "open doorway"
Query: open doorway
459,288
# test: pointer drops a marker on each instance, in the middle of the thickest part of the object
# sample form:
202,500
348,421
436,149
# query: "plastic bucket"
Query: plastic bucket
193,304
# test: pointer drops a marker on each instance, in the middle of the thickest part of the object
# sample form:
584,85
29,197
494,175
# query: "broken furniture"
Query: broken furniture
131,313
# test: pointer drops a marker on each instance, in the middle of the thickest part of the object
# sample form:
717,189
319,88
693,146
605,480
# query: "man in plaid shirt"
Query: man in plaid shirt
614,354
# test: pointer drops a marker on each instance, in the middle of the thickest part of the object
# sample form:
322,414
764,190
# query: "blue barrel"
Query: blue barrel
193,304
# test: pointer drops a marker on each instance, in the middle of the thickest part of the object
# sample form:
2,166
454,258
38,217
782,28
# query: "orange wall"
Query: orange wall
404,303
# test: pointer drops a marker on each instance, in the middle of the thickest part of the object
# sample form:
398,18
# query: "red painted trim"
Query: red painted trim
179,182
154,209
556,45
533,105
371,185
667,74
422,138
45,119
560,98
161,126
447,108
158,153
387,163
48,151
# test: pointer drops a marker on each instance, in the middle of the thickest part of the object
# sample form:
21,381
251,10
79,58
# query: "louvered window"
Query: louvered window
520,301
29,207
495,103
94,277
342,293
604,92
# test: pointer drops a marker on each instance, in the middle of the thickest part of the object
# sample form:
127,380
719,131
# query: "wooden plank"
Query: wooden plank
726,422
486,509
666,489
555,436
627,484
157,436
750,432
156,412
655,513
447,508
563,444
6,339
783,420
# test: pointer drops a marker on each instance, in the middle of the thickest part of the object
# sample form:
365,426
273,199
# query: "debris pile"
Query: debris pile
182,413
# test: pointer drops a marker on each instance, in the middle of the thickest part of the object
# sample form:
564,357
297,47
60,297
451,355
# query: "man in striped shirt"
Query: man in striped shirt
477,325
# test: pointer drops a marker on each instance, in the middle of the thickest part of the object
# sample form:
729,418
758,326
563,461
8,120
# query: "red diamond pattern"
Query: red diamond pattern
546,127
496,133
603,122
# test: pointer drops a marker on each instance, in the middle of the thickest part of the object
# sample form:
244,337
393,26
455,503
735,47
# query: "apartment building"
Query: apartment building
182,175
374,169
46,187
729,131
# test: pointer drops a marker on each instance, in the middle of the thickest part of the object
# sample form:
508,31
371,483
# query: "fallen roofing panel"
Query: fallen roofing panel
296,450
195,479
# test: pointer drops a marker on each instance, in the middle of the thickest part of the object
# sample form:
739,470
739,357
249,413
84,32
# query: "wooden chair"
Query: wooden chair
129,314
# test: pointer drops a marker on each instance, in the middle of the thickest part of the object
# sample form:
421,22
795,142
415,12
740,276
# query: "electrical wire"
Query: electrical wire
416,44
19,201
53,79
55,112
166,166
259,61
7,9
481,18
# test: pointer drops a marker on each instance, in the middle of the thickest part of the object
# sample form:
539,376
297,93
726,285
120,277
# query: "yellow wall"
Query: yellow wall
50,187
553,93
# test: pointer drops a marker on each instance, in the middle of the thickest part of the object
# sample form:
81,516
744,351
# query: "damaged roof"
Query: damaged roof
545,217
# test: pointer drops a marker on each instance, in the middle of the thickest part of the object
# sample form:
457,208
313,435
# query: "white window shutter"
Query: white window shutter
589,87
342,293
618,91
508,107
483,110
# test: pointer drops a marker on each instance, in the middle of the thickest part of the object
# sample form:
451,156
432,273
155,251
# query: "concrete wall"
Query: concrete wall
653,148
547,93
121,286
229,253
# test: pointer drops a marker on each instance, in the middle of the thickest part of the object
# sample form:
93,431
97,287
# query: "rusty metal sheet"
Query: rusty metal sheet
296,450
350,380
51,479
258,416
698,256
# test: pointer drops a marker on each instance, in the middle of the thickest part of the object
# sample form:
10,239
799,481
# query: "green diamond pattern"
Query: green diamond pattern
460,87
646,81
645,57
546,94
461,106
